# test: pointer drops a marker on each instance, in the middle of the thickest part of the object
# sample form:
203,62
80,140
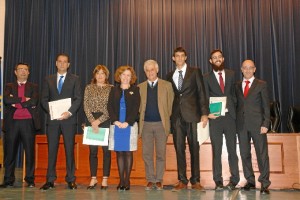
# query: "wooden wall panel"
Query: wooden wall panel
284,153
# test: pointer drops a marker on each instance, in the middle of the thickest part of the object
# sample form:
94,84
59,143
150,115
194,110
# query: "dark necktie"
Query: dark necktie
180,80
60,84
246,89
152,84
221,82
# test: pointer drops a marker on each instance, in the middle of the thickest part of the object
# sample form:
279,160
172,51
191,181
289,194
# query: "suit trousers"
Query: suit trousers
261,148
53,135
20,130
94,160
153,135
181,131
219,126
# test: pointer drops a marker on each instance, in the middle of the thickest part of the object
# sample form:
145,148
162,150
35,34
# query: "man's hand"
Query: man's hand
64,115
212,116
263,130
204,119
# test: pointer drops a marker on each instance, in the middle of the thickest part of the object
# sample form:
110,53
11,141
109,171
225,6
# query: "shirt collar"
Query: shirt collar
154,82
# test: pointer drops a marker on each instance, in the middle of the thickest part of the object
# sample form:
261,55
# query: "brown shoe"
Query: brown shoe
149,186
158,186
179,186
198,186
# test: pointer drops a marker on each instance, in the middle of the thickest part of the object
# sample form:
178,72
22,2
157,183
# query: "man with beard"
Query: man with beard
220,83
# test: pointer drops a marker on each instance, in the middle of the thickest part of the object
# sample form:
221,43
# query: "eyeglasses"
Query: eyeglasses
248,68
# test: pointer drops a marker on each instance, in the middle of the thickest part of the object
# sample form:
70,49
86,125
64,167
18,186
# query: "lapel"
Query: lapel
159,90
187,75
215,83
252,88
240,86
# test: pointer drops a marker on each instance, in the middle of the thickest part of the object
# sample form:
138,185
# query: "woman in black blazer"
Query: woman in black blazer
123,108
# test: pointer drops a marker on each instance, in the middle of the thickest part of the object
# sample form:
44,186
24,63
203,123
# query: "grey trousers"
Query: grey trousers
153,135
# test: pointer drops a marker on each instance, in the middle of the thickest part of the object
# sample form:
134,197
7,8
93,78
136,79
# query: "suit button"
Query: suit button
181,95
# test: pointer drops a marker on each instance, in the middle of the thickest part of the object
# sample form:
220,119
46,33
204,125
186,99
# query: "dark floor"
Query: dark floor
19,191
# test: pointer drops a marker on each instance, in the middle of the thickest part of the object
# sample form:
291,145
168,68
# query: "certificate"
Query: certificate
58,107
91,138
223,100
202,133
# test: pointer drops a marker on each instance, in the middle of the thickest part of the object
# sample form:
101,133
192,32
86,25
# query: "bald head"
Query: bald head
248,69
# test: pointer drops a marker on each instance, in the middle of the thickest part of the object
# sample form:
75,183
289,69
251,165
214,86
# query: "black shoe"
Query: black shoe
7,184
72,186
219,186
30,184
230,186
127,187
47,186
91,187
248,186
121,188
264,190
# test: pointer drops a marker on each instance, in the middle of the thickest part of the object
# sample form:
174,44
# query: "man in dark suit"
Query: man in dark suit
190,106
253,120
56,87
21,120
220,83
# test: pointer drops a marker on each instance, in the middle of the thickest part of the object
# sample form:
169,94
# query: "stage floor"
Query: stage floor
19,191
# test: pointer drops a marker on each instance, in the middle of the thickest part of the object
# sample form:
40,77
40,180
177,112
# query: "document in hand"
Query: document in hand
91,138
58,107
222,100
202,133
215,108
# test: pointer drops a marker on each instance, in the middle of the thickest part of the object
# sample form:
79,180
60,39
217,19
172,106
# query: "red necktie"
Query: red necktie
221,82
246,89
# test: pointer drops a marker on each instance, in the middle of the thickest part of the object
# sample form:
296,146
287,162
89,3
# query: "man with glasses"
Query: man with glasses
21,120
253,120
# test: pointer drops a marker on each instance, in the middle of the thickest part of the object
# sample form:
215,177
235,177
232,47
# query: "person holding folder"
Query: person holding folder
61,85
220,83
95,107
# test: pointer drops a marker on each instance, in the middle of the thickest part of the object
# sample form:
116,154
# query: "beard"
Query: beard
218,68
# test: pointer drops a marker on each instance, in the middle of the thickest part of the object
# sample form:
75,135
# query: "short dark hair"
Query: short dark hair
179,49
214,51
22,63
65,55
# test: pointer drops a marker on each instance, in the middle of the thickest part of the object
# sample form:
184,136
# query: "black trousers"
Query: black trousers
261,148
182,130
219,126
19,131
94,160
53,134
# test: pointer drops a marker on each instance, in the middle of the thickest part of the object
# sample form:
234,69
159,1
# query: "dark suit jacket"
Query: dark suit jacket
10,97
132,99
191,101
254,110
71,89
213,89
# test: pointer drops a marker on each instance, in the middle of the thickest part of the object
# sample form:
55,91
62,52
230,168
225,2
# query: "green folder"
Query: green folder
215,108
95,136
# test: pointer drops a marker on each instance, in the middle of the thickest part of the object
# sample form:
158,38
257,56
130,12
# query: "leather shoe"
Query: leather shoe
264,190
158,186
72,186
30,184
47,186
179,186
230,186
149,186
198,186
7,184
219,186
248,186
